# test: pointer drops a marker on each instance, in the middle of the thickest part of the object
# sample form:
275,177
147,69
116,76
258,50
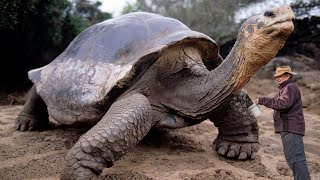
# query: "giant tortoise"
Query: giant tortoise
139,71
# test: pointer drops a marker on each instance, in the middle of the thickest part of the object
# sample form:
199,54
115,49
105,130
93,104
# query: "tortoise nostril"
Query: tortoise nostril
269,14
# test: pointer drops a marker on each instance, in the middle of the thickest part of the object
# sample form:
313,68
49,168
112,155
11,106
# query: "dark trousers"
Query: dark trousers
294,153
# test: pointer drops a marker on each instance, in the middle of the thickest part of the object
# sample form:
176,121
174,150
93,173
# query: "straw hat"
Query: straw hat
283,69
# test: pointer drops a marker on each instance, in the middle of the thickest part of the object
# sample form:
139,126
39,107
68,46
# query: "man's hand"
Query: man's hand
256,101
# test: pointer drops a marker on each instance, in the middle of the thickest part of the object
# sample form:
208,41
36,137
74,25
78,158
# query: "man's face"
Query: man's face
282,78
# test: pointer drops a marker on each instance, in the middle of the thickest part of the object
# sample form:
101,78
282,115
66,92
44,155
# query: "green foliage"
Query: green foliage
90,12
47,24
130,8
72,26
37,23
8,13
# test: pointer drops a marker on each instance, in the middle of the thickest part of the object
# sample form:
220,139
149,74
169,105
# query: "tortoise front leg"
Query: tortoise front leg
122,127
238,129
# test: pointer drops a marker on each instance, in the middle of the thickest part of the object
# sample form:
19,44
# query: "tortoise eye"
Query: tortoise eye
269,14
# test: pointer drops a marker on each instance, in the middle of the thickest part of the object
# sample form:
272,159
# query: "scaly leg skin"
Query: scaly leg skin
34,115
125,124
238,129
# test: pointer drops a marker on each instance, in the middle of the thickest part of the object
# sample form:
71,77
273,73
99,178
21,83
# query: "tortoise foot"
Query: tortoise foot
80,165
31,123
81,173
236,150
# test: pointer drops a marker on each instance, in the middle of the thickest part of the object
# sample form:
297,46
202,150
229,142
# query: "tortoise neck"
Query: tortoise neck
233,71
224,77
226,80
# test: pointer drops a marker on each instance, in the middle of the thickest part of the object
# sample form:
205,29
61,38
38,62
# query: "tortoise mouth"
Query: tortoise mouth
284,26
282,22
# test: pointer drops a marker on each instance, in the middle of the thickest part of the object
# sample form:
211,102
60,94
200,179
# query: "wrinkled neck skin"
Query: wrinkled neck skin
232,74
223,84
240,65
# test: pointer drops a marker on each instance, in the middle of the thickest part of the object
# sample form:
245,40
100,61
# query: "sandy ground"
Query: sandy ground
176,154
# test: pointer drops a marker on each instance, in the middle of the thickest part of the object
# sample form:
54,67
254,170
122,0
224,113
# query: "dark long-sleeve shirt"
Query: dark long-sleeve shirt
287,105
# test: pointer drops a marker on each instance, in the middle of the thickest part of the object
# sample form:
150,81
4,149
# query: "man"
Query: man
289,121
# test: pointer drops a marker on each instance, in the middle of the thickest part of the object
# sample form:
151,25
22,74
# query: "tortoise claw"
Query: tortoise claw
231,154
242,156
236,150
222,151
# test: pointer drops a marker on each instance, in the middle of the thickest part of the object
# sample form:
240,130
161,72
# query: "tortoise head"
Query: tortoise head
263,35
259,40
